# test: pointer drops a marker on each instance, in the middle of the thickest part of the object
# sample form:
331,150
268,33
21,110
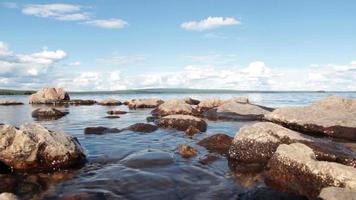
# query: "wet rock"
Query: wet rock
110,102
84,196
336,193
258,143
208,159
191,101
172,107
191,130
143,103
217,143
148,159
232,110
100,130
150,119
8,196
48,113
215,102
187,151
262,193
116,112
76,102
10,103
33,147
48,95
332,116
294,168
142,127
182,122
112,117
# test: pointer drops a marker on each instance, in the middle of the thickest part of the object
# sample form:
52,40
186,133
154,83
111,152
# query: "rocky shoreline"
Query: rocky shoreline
295,148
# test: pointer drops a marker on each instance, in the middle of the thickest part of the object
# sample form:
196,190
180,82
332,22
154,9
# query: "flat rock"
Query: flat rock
112,117
116,112
208,104
187,151
99,130
182,122
217,143
258,143
148,159
143,103
110,102
336,193
33,147
142,127
333,116
47,95
10,103
48,113
294,168
172,107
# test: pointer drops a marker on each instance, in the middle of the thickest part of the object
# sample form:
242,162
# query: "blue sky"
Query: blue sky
231,44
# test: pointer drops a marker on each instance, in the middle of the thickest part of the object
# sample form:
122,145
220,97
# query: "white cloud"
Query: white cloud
108,23
65,12
209,23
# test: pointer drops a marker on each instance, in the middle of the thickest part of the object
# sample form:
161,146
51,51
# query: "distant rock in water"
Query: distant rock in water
142,127
112,117
332,116
110,102
116,112
294,168
172,107
208,104
48,95
217,143
143,103
10,103
48,113
191,101
187,151
182,122
100,130
33,147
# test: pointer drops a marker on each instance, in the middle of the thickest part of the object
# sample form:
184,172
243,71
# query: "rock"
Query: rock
142,127
336,193
75,102
237,111
100,130
112,117
215,102
182,122
84,196
263,193
332,116
143,103
116,112
258,143
294,168
191,101
48,113
150,119
217,143
8,196
148,159
33,147
187,151
10,103
48,95
172,107
110,102
207,159
191,130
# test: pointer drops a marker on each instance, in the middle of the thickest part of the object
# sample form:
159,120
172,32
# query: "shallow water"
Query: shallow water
131,165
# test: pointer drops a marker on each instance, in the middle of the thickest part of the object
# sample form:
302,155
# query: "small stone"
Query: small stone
116,112
217,143
100,130
187,151
191,130
143,128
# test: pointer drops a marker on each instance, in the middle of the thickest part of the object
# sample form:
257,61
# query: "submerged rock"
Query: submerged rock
332,116
116,112
142,127
187,151
182,122
172,107
48,95
48,113
10,103
112,117
336,193
207,159
258,143
33,147
143,103
110,102
217,143
100,130
148,159
294,168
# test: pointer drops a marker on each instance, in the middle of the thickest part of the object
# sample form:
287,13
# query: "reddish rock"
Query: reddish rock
182,122
187,151
100,130
10,103
48,95
48,113
110,102
143,103
217,143
191,130
116,112
142,127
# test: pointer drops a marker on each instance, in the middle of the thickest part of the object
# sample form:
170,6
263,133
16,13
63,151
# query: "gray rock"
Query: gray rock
48,113
208,104
47,95
110,102
172,107
182,122
10,103
336,193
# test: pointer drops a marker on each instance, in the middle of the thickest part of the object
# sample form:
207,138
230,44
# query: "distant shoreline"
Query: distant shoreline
167,91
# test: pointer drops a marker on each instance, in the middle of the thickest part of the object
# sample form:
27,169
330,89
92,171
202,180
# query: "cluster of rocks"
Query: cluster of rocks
294,160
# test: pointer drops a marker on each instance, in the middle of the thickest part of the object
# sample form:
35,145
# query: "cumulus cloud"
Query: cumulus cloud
210,23
108,23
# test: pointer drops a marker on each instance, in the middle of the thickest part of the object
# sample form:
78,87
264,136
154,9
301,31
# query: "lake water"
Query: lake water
131,165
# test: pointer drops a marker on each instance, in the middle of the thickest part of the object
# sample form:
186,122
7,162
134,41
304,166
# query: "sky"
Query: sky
206,44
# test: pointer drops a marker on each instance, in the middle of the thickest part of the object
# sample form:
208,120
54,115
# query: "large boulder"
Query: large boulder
182,122
208,104
217,143
143,103
10,103
258,143
174,106
48,95
294,168
110,102
48,113
332,116
233,110
33,147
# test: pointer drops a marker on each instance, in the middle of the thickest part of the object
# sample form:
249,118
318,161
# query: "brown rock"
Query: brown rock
48,95
143,128
207,159
217,143
215,102
116,112
100,130
182,122
48,113
10,103
191,130
191,101
172,107
112,117
187,151
110,102
143,103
